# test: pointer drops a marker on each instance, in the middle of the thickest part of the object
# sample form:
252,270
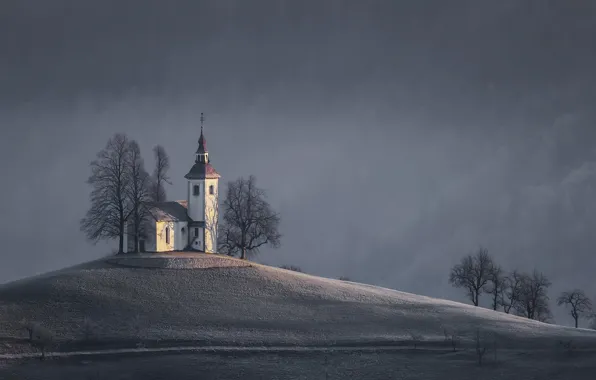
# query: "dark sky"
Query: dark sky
393,137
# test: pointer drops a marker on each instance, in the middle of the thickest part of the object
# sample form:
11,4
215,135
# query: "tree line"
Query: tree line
521,293
121,188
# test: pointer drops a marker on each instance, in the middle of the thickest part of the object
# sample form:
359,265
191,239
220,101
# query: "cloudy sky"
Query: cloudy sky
393,137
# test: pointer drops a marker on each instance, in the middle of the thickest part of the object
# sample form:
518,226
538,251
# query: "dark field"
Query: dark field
410,364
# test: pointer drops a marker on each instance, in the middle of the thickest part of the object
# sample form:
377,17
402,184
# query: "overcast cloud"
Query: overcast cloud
393,136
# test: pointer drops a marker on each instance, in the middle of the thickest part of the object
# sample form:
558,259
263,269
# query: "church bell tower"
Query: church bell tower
203,200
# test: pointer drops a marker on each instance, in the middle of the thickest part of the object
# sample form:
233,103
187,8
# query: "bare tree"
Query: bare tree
472,274
511,291
533,298
138,193
451,338
248,220
497,285
160,174
543,313
109,178
580,304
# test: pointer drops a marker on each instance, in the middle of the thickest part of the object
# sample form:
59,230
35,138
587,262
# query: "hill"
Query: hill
210,299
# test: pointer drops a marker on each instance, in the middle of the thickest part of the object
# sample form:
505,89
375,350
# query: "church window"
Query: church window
196,232
196,190
167,235
211,189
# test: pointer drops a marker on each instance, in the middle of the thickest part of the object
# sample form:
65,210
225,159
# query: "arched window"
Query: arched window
167,235
196,190
211,189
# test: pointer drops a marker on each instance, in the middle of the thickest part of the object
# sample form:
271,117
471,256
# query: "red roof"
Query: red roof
201,170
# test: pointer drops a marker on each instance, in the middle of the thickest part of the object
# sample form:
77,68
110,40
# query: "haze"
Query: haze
392,137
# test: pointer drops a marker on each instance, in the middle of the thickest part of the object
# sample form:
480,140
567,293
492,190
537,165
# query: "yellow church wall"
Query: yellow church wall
161,244
211,215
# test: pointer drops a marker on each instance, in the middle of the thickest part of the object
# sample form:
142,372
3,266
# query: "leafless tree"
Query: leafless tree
511,291
497,286
160,174
110,206
580,304
138,193
451,337
472,274
533,298
543,313
248,220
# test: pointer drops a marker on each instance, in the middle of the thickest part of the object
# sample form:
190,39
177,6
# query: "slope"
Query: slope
210,299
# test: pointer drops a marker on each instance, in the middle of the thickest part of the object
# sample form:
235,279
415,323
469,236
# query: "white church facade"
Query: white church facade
189,224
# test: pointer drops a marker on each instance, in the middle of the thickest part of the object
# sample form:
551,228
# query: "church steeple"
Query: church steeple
202,155
202,200
202,168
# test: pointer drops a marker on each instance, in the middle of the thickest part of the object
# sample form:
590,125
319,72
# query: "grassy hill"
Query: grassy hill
210,299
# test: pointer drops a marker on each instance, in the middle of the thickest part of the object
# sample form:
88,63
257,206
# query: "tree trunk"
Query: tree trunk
243,256
121,239
575,321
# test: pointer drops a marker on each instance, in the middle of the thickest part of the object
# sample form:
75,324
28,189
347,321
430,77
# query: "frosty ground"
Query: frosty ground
200,300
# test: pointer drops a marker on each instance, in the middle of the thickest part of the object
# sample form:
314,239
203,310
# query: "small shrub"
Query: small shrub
451,338
480,348
39,337
89,330
292,268
344,278
139,329
567,346
30,327
415,338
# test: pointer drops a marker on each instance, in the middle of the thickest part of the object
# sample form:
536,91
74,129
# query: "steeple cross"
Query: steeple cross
202,120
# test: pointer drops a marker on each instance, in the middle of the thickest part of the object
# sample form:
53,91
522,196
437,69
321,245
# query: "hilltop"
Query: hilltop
216,300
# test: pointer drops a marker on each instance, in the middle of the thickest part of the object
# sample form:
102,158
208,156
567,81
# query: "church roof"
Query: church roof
202,143
174,211
202,170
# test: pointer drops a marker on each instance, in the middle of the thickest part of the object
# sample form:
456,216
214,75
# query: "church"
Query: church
189,224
